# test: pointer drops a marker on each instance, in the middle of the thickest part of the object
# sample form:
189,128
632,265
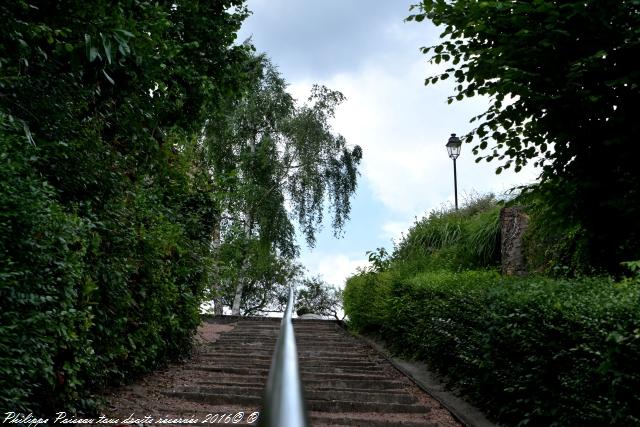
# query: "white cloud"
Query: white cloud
393,230
334,268
403,127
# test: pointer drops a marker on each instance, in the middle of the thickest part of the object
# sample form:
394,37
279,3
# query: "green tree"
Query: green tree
266,277
107,210
563,86
318,297
282,162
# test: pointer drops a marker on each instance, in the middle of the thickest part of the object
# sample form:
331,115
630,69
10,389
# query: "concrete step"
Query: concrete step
312,394
248,372
307,362
222,377
311,341
371,419
214,399
386,386
302,352
360,396
253,368
231,382
222,350
332,406
306,375
338,352
214,358
320,405
246,343
357,358
258,325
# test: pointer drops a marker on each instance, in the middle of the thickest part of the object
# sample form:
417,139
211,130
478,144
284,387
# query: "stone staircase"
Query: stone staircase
346,383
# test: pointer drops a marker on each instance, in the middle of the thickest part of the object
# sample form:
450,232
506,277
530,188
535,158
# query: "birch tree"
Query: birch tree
282,165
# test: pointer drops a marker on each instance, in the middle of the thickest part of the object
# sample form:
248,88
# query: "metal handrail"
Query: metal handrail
284,404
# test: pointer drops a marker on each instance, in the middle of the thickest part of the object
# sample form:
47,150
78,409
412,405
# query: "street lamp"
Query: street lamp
453,148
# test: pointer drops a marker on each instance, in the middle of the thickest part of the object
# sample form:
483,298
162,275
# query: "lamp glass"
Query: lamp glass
453,146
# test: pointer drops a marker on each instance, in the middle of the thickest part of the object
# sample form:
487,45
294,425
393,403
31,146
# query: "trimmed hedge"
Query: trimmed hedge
107,202
92,296
44,316
532,351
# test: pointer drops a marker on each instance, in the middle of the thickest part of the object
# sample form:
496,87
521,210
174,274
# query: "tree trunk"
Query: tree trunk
216,285
235,310
248,228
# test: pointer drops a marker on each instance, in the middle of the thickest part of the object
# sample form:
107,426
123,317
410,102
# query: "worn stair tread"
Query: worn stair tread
385,384
324,359
369,419
214,399
345,405
333,395
250,361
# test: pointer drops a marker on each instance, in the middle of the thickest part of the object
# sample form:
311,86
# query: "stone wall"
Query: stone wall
514,222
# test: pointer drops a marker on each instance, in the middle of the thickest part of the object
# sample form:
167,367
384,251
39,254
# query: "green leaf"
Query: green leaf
93,54
125,32
106,44
108,77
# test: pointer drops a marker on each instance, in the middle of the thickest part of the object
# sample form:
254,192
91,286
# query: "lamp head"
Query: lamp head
453,146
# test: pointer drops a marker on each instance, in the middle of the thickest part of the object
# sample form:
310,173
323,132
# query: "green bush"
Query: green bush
107,202
365,298
554,244
44,288
532,351
93,293
453,240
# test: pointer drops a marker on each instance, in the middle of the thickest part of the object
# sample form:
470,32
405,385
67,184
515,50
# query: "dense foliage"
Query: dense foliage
105,223
318,297
144,160
282,163
563,85
529,351
456,240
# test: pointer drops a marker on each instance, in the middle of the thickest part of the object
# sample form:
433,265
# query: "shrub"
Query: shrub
365,298
533,351
96,292
454,240
106,194
44,289
553,243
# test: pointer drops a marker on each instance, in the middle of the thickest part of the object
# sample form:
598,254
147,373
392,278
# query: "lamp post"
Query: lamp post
453,148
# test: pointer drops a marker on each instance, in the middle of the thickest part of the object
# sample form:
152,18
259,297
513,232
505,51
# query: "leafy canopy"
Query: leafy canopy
563,82
278,153
281,163
105,215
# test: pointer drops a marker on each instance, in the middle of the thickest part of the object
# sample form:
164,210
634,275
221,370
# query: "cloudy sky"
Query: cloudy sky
365,50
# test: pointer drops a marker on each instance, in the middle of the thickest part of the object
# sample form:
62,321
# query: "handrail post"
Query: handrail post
284,404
